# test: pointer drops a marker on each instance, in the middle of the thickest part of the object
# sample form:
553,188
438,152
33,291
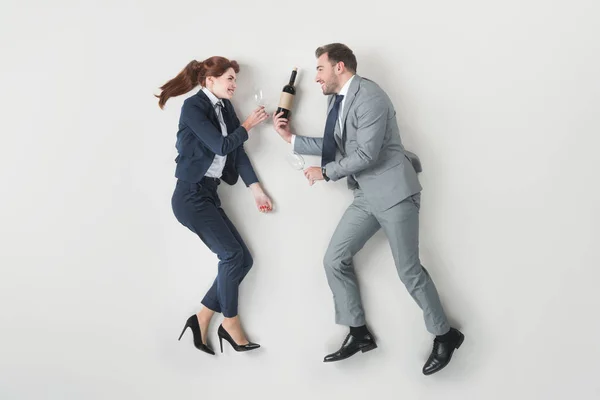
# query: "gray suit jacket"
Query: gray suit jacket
369,150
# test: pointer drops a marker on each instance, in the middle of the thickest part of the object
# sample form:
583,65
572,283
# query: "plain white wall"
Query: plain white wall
499,99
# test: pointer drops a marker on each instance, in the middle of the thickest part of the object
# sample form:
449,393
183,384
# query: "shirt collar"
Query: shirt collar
213,99
346,87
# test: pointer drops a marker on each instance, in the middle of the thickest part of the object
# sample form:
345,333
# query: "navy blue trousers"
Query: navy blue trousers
197,206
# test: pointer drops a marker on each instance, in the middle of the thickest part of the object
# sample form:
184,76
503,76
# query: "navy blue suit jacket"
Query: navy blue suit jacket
199,138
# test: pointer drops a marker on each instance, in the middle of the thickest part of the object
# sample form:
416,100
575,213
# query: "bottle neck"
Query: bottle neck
293,78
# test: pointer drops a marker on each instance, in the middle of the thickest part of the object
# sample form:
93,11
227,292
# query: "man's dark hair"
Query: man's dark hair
337,52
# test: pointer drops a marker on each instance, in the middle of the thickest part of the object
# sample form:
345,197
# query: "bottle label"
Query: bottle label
286,100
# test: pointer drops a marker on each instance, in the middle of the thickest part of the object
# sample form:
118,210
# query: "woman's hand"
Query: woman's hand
263,202
256,117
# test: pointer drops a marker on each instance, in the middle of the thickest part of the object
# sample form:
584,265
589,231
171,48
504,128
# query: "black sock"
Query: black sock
446,337
358,331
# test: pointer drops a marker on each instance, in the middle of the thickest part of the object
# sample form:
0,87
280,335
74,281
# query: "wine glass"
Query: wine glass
259,98
295,160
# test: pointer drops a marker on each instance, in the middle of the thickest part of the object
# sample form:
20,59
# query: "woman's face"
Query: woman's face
223,86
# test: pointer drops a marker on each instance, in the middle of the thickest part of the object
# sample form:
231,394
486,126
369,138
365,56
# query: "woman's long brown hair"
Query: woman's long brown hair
194,74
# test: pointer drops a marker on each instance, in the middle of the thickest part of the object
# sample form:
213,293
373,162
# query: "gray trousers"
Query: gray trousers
401,226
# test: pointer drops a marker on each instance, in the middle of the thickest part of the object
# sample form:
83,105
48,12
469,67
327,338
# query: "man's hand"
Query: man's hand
282,127
313,174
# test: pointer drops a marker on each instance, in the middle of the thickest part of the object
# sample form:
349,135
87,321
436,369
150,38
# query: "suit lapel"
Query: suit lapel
228,118
212,116
330,101
212,113
350,96
339,134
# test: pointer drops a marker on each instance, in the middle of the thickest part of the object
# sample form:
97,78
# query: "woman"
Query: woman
210,146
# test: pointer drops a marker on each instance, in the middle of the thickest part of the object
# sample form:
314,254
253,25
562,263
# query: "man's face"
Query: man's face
326,75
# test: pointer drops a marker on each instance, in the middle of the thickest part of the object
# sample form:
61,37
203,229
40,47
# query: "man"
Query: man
362,143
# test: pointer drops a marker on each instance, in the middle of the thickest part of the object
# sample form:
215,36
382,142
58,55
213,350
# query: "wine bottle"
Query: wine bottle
286,101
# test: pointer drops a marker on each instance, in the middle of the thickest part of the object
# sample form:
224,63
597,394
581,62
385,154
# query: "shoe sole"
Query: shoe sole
368,348
362,349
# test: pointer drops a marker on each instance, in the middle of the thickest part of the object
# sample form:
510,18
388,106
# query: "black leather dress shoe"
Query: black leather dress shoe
351,346
442,352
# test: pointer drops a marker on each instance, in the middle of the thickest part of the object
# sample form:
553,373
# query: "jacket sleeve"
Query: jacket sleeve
196,118
242,162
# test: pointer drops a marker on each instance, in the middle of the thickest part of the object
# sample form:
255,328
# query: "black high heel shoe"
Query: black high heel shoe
223,334
193,324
